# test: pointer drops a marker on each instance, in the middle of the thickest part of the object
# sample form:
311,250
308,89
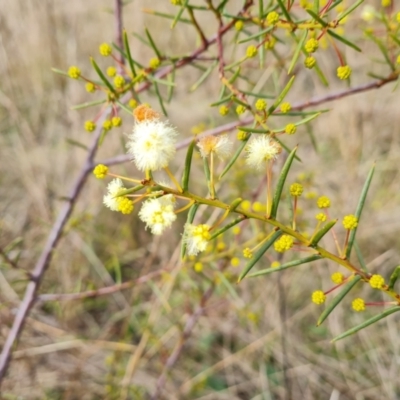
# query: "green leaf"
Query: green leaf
167,16
160,99
171,79
153,45
188,164
337,299
128,53
256,35
321,75
59,71
287,149
281,183
203,77
371,321
258,95
349,10
129,190
259,253
101,75
383,50
223,100
315,16
360,257
252,130
178,16
88,104
344,40
359,209
393,278
285,12
297,52
234,157
76,143
301,122
322,232
226,227
154,79
333,5
290,264
189,220
124,107
281,96
316,7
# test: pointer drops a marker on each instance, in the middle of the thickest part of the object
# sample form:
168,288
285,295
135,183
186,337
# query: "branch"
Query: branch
315,101
98,292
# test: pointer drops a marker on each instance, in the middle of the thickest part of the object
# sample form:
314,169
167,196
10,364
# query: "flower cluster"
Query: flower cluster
377,281
350,222
152,144
261,150
296,189
318,297
196,238
158,214
284,243
114,200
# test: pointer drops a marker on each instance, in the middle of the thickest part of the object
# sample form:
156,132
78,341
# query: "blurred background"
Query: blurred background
257,340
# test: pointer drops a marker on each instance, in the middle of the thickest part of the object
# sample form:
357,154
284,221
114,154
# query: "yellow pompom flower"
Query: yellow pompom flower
236,230
377,281
290,129
119,81
350,222
116,121
344,72
386,3
223,110
100,171
90,87
296,189
107,125
125,205
398,17
240,109
105,49
247,253
239,25
235,262
285,107
74,72
323,202
358,304
111,71
398,58
196,238
251,51
132,103
242,135
284,243
310,62
154,62
258,206
318,297
90,126
275,264
272,17
270,43
198,267
246,205
311,45
321,217
260,105
337,277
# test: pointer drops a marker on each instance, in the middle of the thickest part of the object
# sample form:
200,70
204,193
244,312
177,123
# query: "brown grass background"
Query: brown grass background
255,341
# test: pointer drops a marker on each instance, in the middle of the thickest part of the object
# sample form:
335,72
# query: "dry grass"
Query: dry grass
255,341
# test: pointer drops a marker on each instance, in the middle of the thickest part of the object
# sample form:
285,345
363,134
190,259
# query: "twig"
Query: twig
118,29
98,292
315,101
8,259
173,358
